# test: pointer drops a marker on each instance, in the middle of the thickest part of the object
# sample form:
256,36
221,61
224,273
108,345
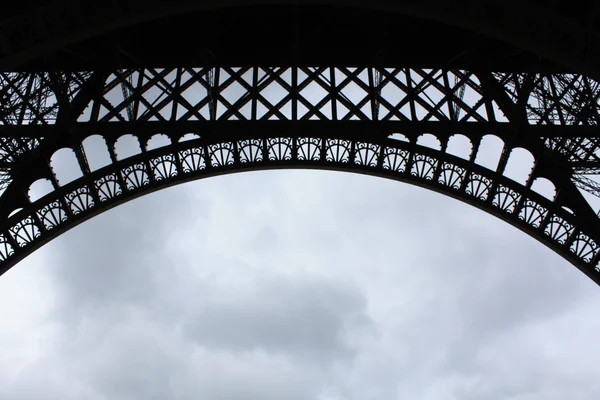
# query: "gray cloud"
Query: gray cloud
298,285
115,261
303,315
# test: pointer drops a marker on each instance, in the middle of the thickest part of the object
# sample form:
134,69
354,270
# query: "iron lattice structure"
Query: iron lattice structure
358,107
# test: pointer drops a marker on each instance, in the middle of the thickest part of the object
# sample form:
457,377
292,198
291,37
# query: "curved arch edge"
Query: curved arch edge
125,180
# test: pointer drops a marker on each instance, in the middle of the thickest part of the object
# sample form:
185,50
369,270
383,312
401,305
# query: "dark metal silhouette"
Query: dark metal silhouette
284,113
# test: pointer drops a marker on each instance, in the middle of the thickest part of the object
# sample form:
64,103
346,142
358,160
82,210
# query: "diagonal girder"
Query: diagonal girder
182,94
28,99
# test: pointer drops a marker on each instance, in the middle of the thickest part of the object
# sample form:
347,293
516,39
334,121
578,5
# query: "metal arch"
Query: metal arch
127,179
328,117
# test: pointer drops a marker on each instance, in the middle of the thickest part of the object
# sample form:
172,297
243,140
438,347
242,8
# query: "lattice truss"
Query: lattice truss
246,118
318,93
563,100
31,99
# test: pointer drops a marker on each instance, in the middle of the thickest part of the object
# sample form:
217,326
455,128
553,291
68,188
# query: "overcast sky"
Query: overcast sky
297,285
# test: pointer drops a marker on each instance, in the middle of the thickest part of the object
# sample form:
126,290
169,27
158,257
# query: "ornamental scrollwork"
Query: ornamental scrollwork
221,154
451,175
478,186
164,167
395,159
423,166
309,149
533,213
25,231
135,176
459,178
251,150
52,214
6,250
108,187
192,160
79,200
506,199
367,154
280,149
559,229
337,150
584,247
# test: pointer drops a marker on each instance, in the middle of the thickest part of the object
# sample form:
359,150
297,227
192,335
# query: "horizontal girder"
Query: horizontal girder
51,31
441,128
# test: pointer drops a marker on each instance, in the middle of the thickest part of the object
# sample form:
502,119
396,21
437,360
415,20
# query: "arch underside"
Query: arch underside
398,122
135,176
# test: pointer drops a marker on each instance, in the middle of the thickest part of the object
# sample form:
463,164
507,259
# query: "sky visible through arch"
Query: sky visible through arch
301,285
297,285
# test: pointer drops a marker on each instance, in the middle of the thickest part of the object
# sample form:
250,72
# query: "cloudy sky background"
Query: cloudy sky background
297,285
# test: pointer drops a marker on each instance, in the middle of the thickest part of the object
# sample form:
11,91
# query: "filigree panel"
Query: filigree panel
250,150
25,231
423,166
164,167
506,199
337,150
6,250
79,200
559,229
533,213
478,186
280,149
135,176
108,187
452,175
309,149
221,154
367,154
584,247
52,214
395,159
192,160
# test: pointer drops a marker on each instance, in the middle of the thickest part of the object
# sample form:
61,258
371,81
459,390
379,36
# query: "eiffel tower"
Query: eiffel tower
384,88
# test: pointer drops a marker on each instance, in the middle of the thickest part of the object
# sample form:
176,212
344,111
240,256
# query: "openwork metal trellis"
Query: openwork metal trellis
400,123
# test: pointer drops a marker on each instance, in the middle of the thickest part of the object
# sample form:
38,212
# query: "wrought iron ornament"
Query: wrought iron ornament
68,205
